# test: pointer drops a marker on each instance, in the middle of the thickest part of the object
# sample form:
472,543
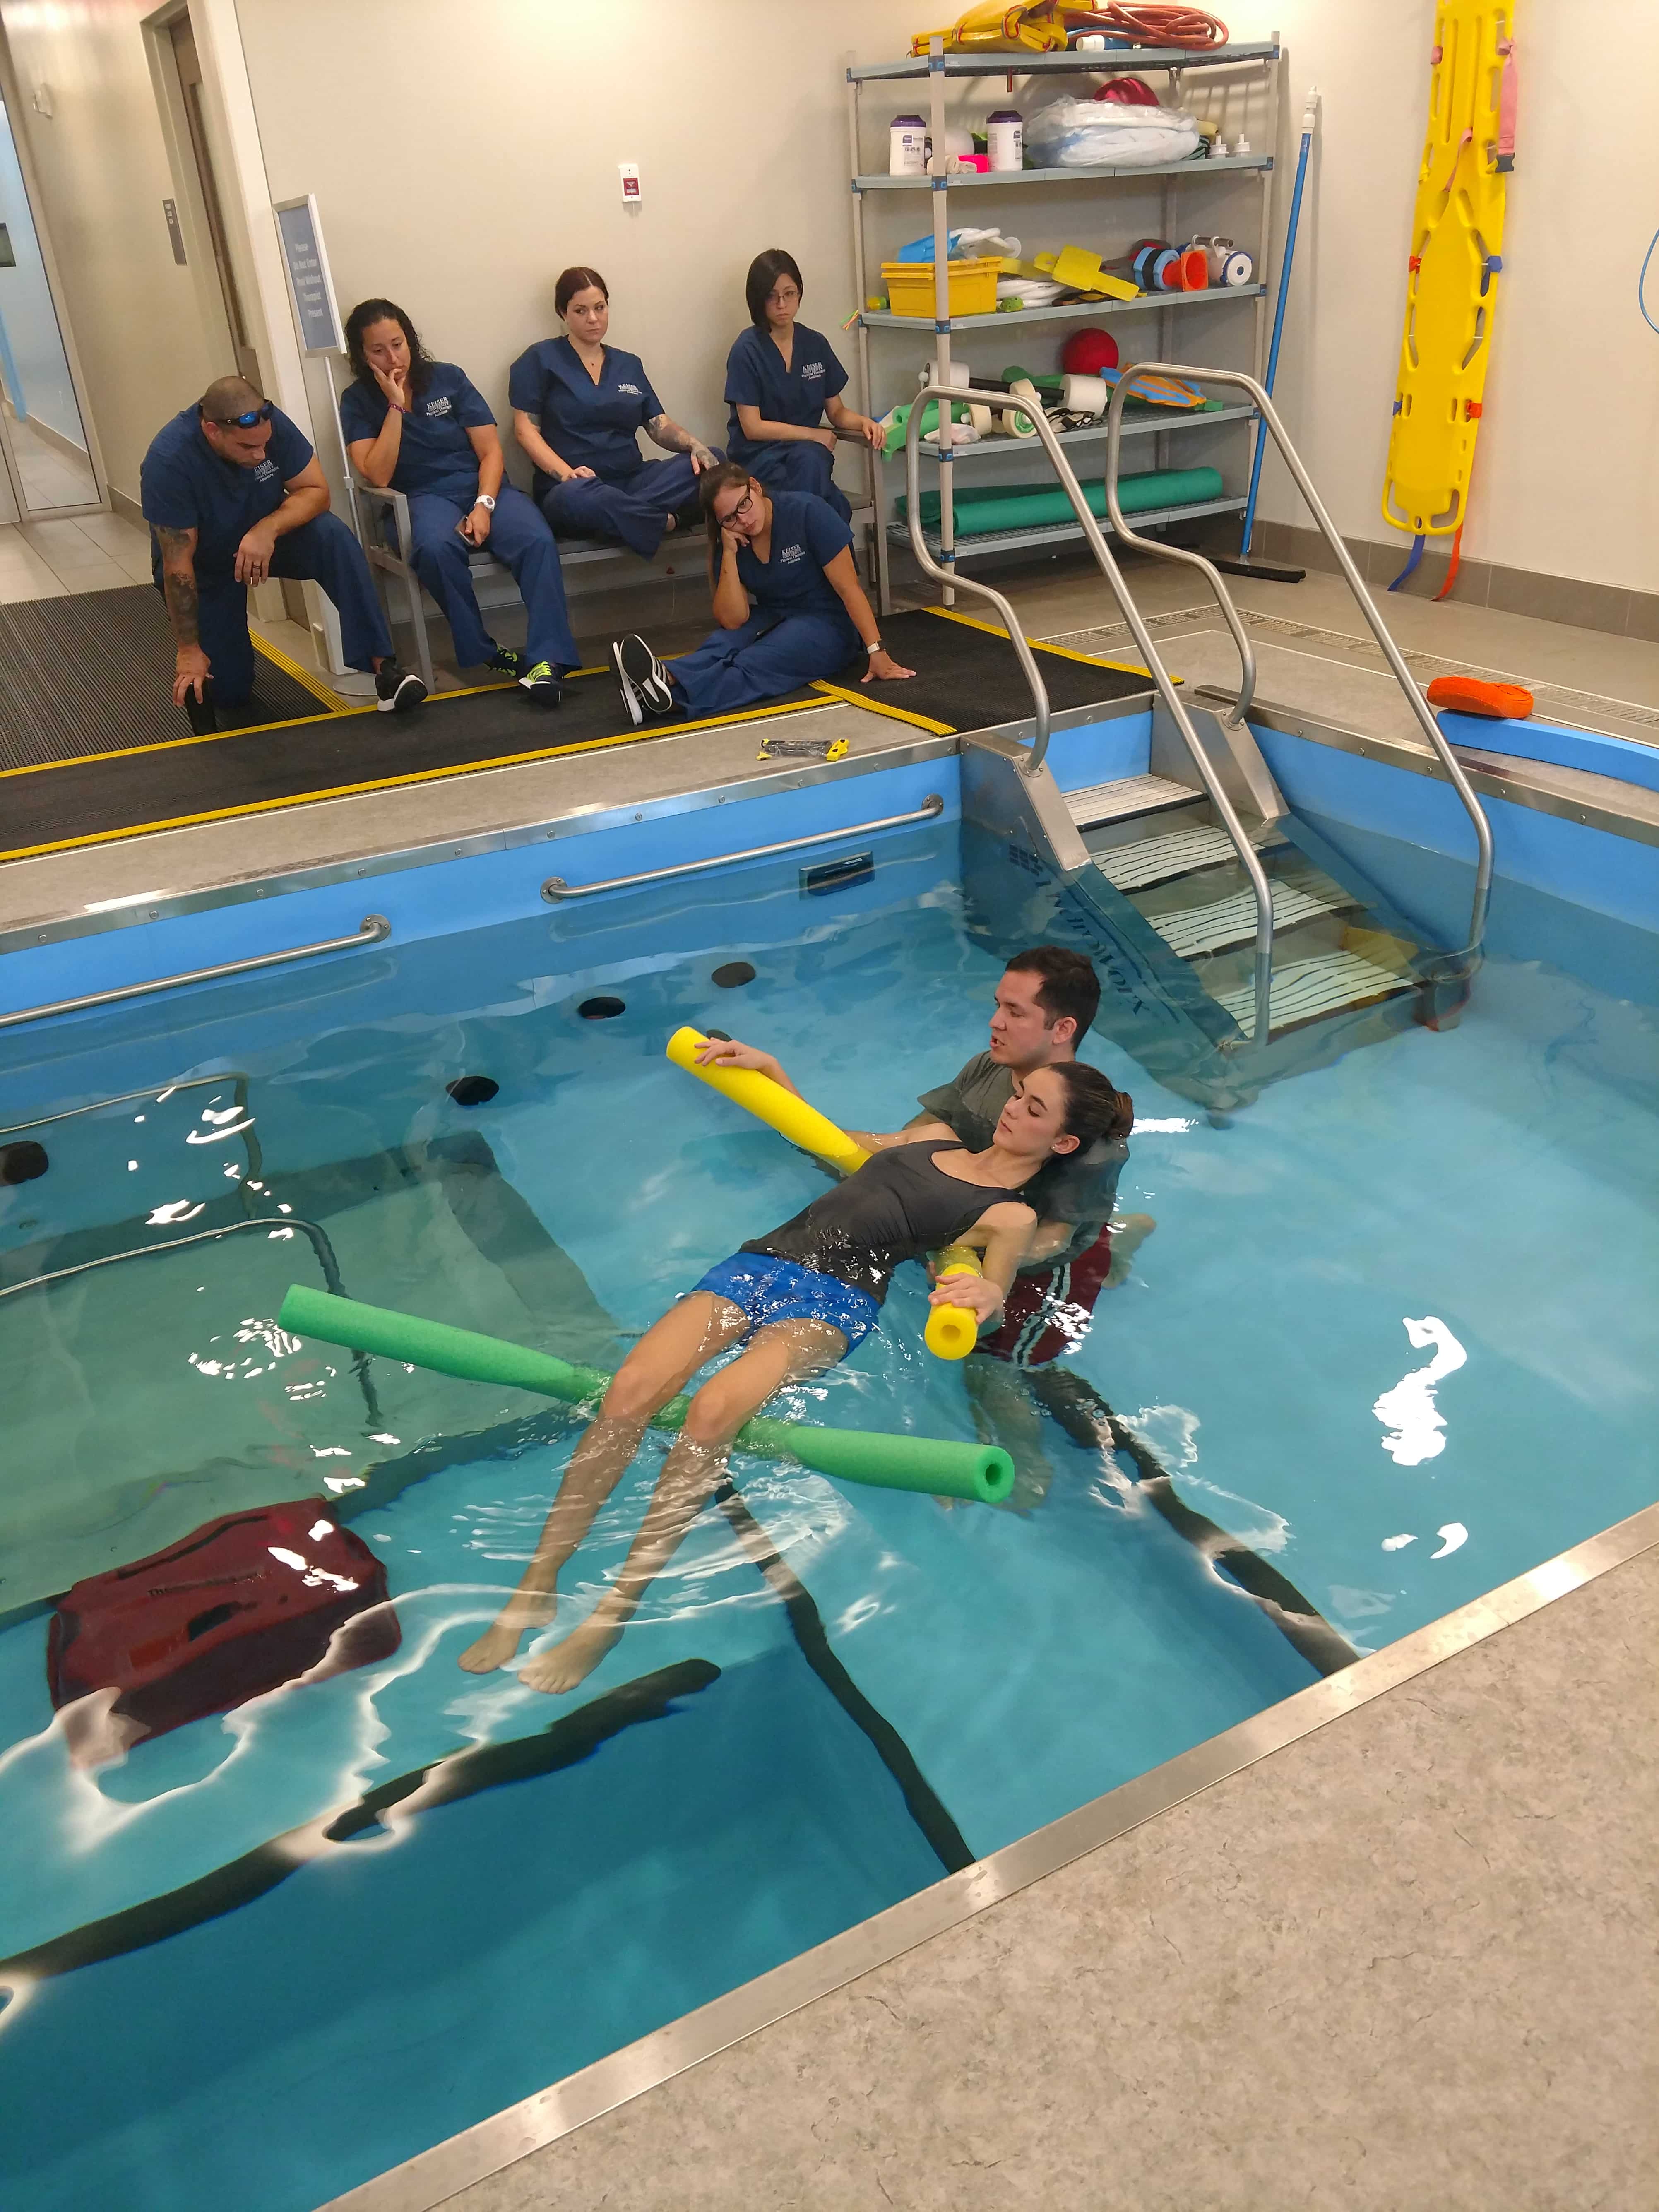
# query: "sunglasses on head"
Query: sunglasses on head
243,422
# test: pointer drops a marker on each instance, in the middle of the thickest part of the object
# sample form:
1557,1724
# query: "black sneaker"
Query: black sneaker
642,680
506,662
395,690
541,684
203,715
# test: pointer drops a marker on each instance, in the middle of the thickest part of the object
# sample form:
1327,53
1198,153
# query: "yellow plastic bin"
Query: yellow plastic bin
973,286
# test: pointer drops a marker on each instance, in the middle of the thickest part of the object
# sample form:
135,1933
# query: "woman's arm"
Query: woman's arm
844,581
923,1132
475,527
665,431
849,422
728,1052
527,431
1008,1231
731,600
376,458
756,427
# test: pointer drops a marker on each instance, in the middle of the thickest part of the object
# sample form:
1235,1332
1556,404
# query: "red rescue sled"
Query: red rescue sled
242,1606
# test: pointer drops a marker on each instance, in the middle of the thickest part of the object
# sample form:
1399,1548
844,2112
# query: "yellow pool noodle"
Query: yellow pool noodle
953,1331
770,1102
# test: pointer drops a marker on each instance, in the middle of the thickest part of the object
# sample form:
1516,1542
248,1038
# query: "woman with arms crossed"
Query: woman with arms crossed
577,403
793,555
421,427
797,1300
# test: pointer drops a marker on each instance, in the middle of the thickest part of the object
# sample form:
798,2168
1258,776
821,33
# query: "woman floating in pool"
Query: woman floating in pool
796,1301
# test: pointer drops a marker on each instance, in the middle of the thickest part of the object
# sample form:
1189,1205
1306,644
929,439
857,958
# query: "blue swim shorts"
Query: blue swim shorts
768,1288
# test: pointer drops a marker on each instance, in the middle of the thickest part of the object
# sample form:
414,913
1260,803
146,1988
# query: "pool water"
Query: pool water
1391,1331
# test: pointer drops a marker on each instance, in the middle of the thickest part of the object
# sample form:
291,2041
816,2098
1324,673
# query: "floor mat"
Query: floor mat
967,678
90,673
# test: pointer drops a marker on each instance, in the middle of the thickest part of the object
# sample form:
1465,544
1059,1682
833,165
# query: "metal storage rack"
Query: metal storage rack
1261,59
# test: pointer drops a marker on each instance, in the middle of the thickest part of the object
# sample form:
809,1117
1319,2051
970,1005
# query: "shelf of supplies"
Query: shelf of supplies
1114,59
883,318
1134,426
1191,167
1005,541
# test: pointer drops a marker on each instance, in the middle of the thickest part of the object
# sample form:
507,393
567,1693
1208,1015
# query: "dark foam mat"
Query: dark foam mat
969,677
91,672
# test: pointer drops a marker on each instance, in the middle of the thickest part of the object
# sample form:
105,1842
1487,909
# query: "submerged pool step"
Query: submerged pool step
1303,990
1156,860
1128,795
1232,920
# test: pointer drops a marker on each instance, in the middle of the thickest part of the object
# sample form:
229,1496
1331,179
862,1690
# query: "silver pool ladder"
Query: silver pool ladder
1036,753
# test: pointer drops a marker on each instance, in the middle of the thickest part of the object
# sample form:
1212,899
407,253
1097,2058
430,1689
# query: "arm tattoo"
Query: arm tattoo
669,435
179,583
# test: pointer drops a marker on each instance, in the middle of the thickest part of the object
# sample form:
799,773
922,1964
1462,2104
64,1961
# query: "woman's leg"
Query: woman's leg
801,464
440,556
782,1351
768,657
661,1362
521,536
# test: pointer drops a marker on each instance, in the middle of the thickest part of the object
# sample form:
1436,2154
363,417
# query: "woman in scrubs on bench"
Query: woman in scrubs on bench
793,555
423,428
782,381
577,404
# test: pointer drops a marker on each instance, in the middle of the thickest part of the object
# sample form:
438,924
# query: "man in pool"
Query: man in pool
792,1302
1044,1006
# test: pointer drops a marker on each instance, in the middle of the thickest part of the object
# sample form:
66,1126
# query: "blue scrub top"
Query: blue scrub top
183,485
756,377
590,425
437,455
806,535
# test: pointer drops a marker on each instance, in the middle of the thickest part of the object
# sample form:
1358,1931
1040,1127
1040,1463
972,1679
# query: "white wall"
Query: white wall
102,167
461,154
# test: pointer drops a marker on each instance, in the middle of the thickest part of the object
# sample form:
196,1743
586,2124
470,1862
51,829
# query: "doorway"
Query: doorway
46,467
188,63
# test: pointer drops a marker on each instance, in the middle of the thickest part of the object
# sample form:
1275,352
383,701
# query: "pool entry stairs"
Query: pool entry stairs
1236,946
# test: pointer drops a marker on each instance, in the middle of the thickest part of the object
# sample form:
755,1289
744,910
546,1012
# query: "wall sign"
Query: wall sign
309,283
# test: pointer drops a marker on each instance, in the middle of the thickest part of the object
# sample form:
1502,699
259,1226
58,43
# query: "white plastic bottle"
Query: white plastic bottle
906,146
1004,138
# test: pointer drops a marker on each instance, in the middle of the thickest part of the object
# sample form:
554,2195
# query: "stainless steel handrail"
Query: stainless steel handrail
319,1244
1160,674
557,888
929,567
1293,460
374,928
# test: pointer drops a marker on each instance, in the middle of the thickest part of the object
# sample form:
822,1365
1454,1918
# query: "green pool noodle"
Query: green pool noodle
942,1469
1024,505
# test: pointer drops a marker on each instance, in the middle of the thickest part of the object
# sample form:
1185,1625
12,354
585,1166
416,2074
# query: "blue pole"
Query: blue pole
1310,116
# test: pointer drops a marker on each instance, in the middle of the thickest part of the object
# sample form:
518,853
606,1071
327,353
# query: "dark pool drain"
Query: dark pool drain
734,974
22,1162
602,1009
472,1090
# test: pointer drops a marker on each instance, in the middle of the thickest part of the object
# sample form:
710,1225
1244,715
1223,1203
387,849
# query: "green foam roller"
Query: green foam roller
942,1469
1024,505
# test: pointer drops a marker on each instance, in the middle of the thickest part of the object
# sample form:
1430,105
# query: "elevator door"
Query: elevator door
244,361
44,467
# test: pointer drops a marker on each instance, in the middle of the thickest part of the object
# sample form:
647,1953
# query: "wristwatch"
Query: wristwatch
877,648
484,501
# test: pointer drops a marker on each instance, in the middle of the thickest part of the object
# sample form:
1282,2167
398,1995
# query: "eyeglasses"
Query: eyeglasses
741,511
243,422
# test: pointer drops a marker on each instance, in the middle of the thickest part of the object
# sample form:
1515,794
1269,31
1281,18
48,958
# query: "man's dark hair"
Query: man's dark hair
362,319
1069,985
229,396
764,271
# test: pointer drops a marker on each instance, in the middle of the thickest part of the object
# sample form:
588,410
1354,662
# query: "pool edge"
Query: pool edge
434,2177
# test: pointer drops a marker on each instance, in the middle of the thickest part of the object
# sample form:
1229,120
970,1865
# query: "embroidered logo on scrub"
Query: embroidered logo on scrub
791,553
438,406
263,473
812,369
632,390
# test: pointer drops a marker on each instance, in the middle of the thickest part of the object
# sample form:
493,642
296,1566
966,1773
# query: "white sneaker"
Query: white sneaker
646,693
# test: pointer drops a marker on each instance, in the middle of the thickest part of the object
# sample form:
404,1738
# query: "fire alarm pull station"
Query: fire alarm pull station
630,181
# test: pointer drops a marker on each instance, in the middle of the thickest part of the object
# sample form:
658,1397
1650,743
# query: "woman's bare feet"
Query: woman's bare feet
501,1639
1129,1232
572,1661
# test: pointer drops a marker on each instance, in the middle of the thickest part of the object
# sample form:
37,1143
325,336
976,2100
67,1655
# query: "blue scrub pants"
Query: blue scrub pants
798,466
772,653
633,511
518,536
323,552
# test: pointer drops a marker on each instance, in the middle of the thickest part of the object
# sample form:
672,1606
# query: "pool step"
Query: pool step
1159,859
1214,925
1324,983
1128,795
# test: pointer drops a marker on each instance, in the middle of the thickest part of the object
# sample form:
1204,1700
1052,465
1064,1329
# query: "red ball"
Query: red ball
1087,351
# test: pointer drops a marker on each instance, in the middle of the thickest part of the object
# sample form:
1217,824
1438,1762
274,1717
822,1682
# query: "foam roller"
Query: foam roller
943,1469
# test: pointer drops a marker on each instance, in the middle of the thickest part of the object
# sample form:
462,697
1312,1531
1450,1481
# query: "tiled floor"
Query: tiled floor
51,477
80,553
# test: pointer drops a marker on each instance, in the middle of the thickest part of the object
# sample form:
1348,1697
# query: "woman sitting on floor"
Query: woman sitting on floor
793,555
797,1301
421,427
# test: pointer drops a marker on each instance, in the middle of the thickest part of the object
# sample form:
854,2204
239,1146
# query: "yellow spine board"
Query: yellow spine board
1451,291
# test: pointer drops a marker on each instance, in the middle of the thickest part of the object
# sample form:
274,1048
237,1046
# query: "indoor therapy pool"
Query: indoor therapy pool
1385,1349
